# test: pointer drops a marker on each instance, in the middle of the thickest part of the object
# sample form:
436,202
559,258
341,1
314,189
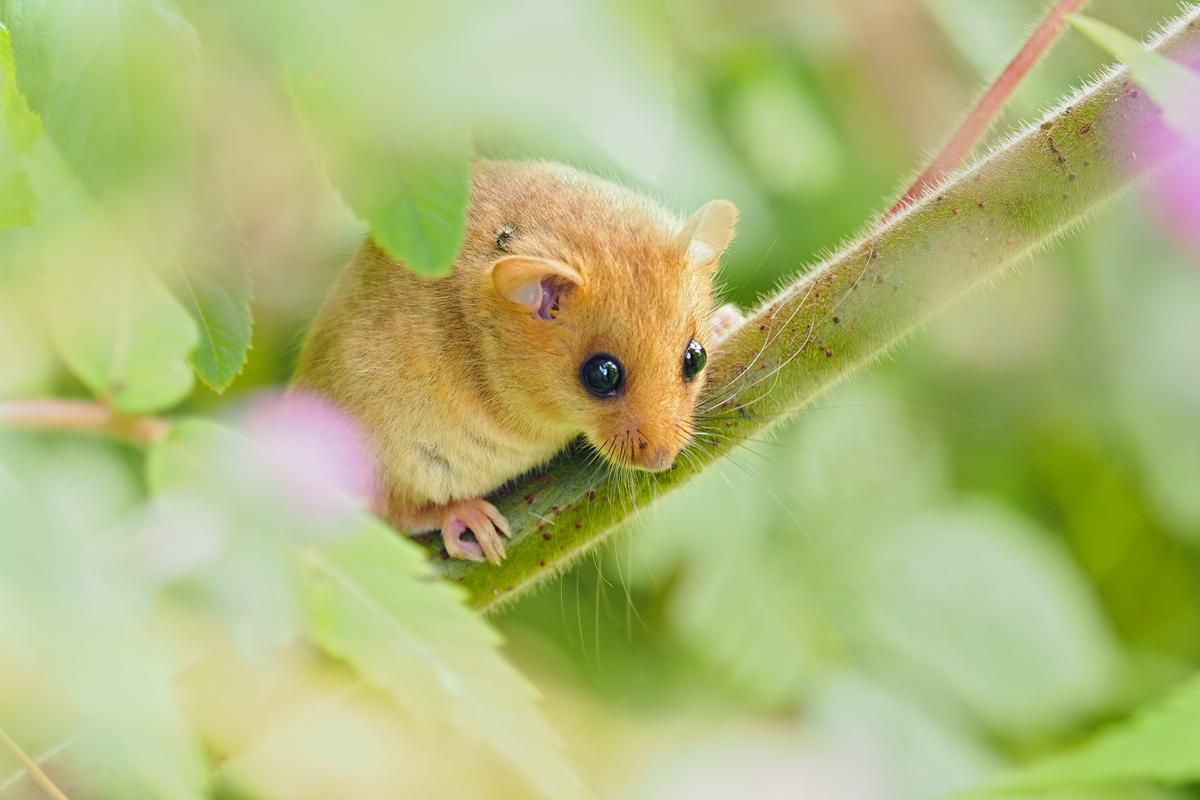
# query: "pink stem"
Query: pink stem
985,111
80,415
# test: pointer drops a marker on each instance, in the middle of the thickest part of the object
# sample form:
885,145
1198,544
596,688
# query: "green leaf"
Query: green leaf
371,602
940,602
1161,744
219,289
20,124
71,616
1174,87
115,84
20,128
16,202
183,458
112,320
412,190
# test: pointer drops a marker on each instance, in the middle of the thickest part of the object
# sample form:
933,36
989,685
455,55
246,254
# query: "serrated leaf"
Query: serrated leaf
370,602
21,125
20,128
1161,744
115,84
217,275
112,320
412,191
1174,87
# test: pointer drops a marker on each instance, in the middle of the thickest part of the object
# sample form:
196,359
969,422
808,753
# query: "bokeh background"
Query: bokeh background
967,558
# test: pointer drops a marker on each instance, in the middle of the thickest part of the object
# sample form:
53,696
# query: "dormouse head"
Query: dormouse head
606,304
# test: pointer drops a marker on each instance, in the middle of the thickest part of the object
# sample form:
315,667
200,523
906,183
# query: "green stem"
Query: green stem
848,311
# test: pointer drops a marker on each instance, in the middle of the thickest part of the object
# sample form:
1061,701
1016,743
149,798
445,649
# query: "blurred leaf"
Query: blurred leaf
785,135
1174,87
770,544
115,83
413,196
182,458
1157,377
387,89
19,130
16,202
739,602
217,275
373,602
408,182
72,618
611,84
112,320
916,749
21,125
987,35
972,600
214,479
1161,743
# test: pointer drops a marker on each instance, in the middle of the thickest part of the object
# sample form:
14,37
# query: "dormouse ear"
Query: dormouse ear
709,231
522,280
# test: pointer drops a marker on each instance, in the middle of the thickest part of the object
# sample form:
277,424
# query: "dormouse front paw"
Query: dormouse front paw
484,521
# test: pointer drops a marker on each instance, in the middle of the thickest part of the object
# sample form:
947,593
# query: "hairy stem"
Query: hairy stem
849,310
35,772
984,113
52,414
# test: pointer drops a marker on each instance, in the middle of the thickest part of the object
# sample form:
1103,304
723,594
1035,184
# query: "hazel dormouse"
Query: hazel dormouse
576,307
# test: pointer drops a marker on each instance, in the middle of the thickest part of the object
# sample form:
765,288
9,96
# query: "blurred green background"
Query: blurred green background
970,556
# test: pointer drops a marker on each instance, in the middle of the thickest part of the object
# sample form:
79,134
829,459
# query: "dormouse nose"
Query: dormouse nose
655,459
653,447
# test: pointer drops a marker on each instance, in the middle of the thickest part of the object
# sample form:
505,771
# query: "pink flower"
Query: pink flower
314,451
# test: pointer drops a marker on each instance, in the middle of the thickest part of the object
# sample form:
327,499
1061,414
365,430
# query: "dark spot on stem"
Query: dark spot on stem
546,535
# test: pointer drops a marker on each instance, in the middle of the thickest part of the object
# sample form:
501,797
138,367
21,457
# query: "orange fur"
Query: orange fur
460,389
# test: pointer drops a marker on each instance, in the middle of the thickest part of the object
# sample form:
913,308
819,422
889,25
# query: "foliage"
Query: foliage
217,615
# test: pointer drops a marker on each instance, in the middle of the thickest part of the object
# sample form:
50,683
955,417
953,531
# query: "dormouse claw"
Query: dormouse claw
484,521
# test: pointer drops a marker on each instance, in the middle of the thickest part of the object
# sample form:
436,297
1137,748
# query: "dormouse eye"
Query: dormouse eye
601,375
694,359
